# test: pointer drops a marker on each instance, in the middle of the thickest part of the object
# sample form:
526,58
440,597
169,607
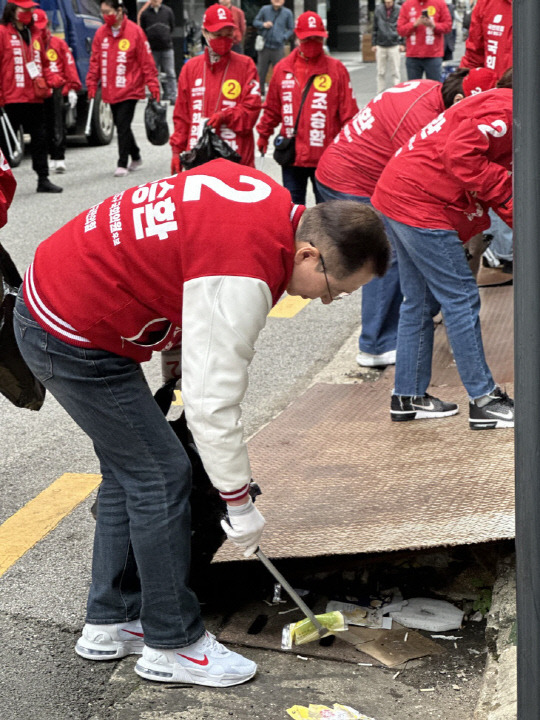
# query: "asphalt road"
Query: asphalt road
42,595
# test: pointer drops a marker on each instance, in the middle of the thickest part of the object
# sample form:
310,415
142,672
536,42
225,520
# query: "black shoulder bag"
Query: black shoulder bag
285,148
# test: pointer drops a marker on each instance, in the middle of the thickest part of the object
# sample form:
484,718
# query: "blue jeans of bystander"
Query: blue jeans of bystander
416,67
435,276
381,298
142,540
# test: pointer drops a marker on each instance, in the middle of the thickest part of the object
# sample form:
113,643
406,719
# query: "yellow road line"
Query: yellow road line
288,307
38,517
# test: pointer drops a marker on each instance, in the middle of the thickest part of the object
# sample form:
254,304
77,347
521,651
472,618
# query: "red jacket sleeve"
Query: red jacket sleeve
70,71
474,47
271,115
467,156
444,25
404,27
181,115
93,75
7,188
148,65
243,116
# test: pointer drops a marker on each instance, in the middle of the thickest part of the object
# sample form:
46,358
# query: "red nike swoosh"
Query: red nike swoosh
134,633
194,660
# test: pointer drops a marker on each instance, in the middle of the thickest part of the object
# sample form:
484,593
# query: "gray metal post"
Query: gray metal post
527,348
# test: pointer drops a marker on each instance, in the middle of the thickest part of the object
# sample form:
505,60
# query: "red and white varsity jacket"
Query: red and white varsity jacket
489,43
422,41
205,88
61,63
459,165
353,163
16,85
205,253
7,188
124,64
328,106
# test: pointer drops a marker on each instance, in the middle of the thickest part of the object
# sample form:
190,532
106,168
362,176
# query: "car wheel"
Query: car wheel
102,128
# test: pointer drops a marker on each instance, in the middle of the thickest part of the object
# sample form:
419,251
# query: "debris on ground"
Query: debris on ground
428,614
322,712
305,631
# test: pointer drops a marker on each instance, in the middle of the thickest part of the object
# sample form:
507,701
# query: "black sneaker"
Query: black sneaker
45,185
497,413
404,407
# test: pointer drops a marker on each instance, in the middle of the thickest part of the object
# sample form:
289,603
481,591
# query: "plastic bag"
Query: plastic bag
155,122
17,383
209,147
259,43
304,631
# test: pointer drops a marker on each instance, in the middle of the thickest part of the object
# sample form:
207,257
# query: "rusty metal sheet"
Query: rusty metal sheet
339,477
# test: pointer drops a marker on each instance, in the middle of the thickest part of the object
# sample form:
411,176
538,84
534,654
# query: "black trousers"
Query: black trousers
55,123
123,115
32,117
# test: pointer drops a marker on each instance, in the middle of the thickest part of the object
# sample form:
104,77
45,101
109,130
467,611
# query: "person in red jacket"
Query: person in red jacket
220,88
8,185
424,23
328,105
122,61
202,255
489,43
435,193
23,68
62,64
352,164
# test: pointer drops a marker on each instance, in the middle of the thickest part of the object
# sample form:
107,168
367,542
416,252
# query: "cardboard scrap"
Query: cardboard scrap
393,647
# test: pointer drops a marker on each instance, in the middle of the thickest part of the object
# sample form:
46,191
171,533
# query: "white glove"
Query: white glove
245,526
72,98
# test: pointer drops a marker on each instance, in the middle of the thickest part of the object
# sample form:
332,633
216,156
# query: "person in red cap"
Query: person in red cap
122,62
25,80
62,64
489,43
349,170
220,88
202,256
424,23
435,194
329,103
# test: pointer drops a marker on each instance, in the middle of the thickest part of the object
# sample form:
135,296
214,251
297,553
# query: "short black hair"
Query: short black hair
349,234
506,79
114,4
453,85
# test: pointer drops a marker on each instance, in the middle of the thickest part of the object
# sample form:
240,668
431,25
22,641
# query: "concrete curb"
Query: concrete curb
498,695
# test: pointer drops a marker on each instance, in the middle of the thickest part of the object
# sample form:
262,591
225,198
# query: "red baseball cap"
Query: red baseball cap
41,19
25,4
309,24
478,80
217,17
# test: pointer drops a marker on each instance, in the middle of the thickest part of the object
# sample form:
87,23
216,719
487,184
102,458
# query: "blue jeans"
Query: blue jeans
435,276
295,179
502,244
416,67
381,298
142,540
164,60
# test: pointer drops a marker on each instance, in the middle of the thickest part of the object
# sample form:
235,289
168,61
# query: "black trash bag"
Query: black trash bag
17,383
207,507
209,147
155,122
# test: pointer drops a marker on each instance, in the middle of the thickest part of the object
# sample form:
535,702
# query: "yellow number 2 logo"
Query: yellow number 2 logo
322,83
231,89
123,45
51,54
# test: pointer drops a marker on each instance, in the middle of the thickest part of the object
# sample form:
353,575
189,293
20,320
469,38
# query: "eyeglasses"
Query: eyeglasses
333,297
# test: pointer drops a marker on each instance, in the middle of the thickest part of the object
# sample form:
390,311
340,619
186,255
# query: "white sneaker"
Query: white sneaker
368,360
134,165
120,172
52,164
206,662
60,166
110,642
